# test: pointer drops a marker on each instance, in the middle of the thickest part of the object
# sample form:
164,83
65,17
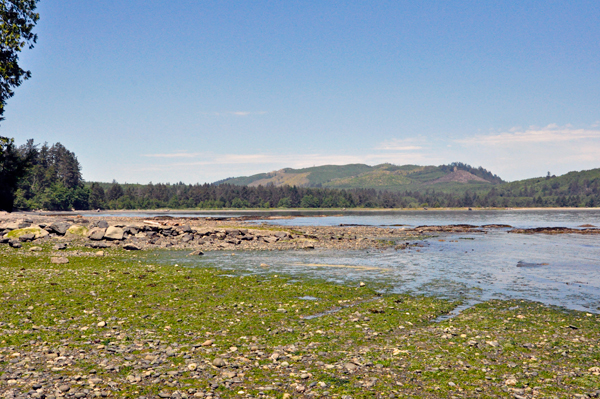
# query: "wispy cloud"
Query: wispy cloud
549,134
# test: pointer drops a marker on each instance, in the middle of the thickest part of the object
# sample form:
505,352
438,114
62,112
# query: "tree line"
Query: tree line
43,176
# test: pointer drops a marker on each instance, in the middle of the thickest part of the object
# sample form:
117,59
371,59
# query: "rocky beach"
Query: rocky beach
88,312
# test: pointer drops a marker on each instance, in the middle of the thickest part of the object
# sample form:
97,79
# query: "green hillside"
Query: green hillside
456,177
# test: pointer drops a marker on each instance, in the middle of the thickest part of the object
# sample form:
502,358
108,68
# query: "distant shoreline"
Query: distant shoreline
297,211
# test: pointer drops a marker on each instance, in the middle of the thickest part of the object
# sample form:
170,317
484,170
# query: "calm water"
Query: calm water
516,218
564,269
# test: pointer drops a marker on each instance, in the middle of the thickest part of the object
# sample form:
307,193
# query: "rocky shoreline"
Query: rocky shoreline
214,234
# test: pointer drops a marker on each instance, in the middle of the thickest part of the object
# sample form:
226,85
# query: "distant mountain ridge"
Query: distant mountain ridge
456,176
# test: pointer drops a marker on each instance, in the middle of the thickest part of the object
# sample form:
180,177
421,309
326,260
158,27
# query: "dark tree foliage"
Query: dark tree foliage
17,20
52,179
13,167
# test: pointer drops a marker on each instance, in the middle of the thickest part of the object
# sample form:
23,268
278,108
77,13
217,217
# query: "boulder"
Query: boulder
96,234
113,233
131,247
185,228
59,228
133,230
37,231
102,224
9,226
78,230
14,243
196,253
59,260
204,231
60,246
27,237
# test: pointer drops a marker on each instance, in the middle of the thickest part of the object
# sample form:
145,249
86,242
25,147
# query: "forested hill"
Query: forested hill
455,177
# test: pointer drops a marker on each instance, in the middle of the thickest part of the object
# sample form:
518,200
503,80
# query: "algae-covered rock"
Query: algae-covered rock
78,230
37,231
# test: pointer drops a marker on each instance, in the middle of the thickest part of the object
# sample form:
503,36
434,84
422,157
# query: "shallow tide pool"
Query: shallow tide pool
562,270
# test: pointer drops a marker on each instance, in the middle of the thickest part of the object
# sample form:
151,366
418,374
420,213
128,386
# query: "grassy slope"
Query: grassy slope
381,177
562,183
158,315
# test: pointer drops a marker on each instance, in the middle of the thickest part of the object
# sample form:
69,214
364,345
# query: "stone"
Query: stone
192,366
99,253
59,260
64,388
27,237
218,362
350,367
196,253
59,228
78,230
60,246
113,233
101,224
96,233
131,247
186,228
208,342
132,230
101,324
35,249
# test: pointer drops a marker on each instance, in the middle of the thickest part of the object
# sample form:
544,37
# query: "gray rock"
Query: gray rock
196,253
113,233
101,224
60,246
131,247
64,388
185,229
15,243
59,228
187,237
350,366
59,260
133,230
218,362
27,237
96,234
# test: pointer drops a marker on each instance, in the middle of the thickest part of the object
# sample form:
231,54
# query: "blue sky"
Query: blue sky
197,91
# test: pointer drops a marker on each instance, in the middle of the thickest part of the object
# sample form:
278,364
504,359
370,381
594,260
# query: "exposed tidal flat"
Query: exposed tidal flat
315,312
123,325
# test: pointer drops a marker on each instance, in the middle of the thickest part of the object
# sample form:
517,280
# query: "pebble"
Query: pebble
64,388
101,324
